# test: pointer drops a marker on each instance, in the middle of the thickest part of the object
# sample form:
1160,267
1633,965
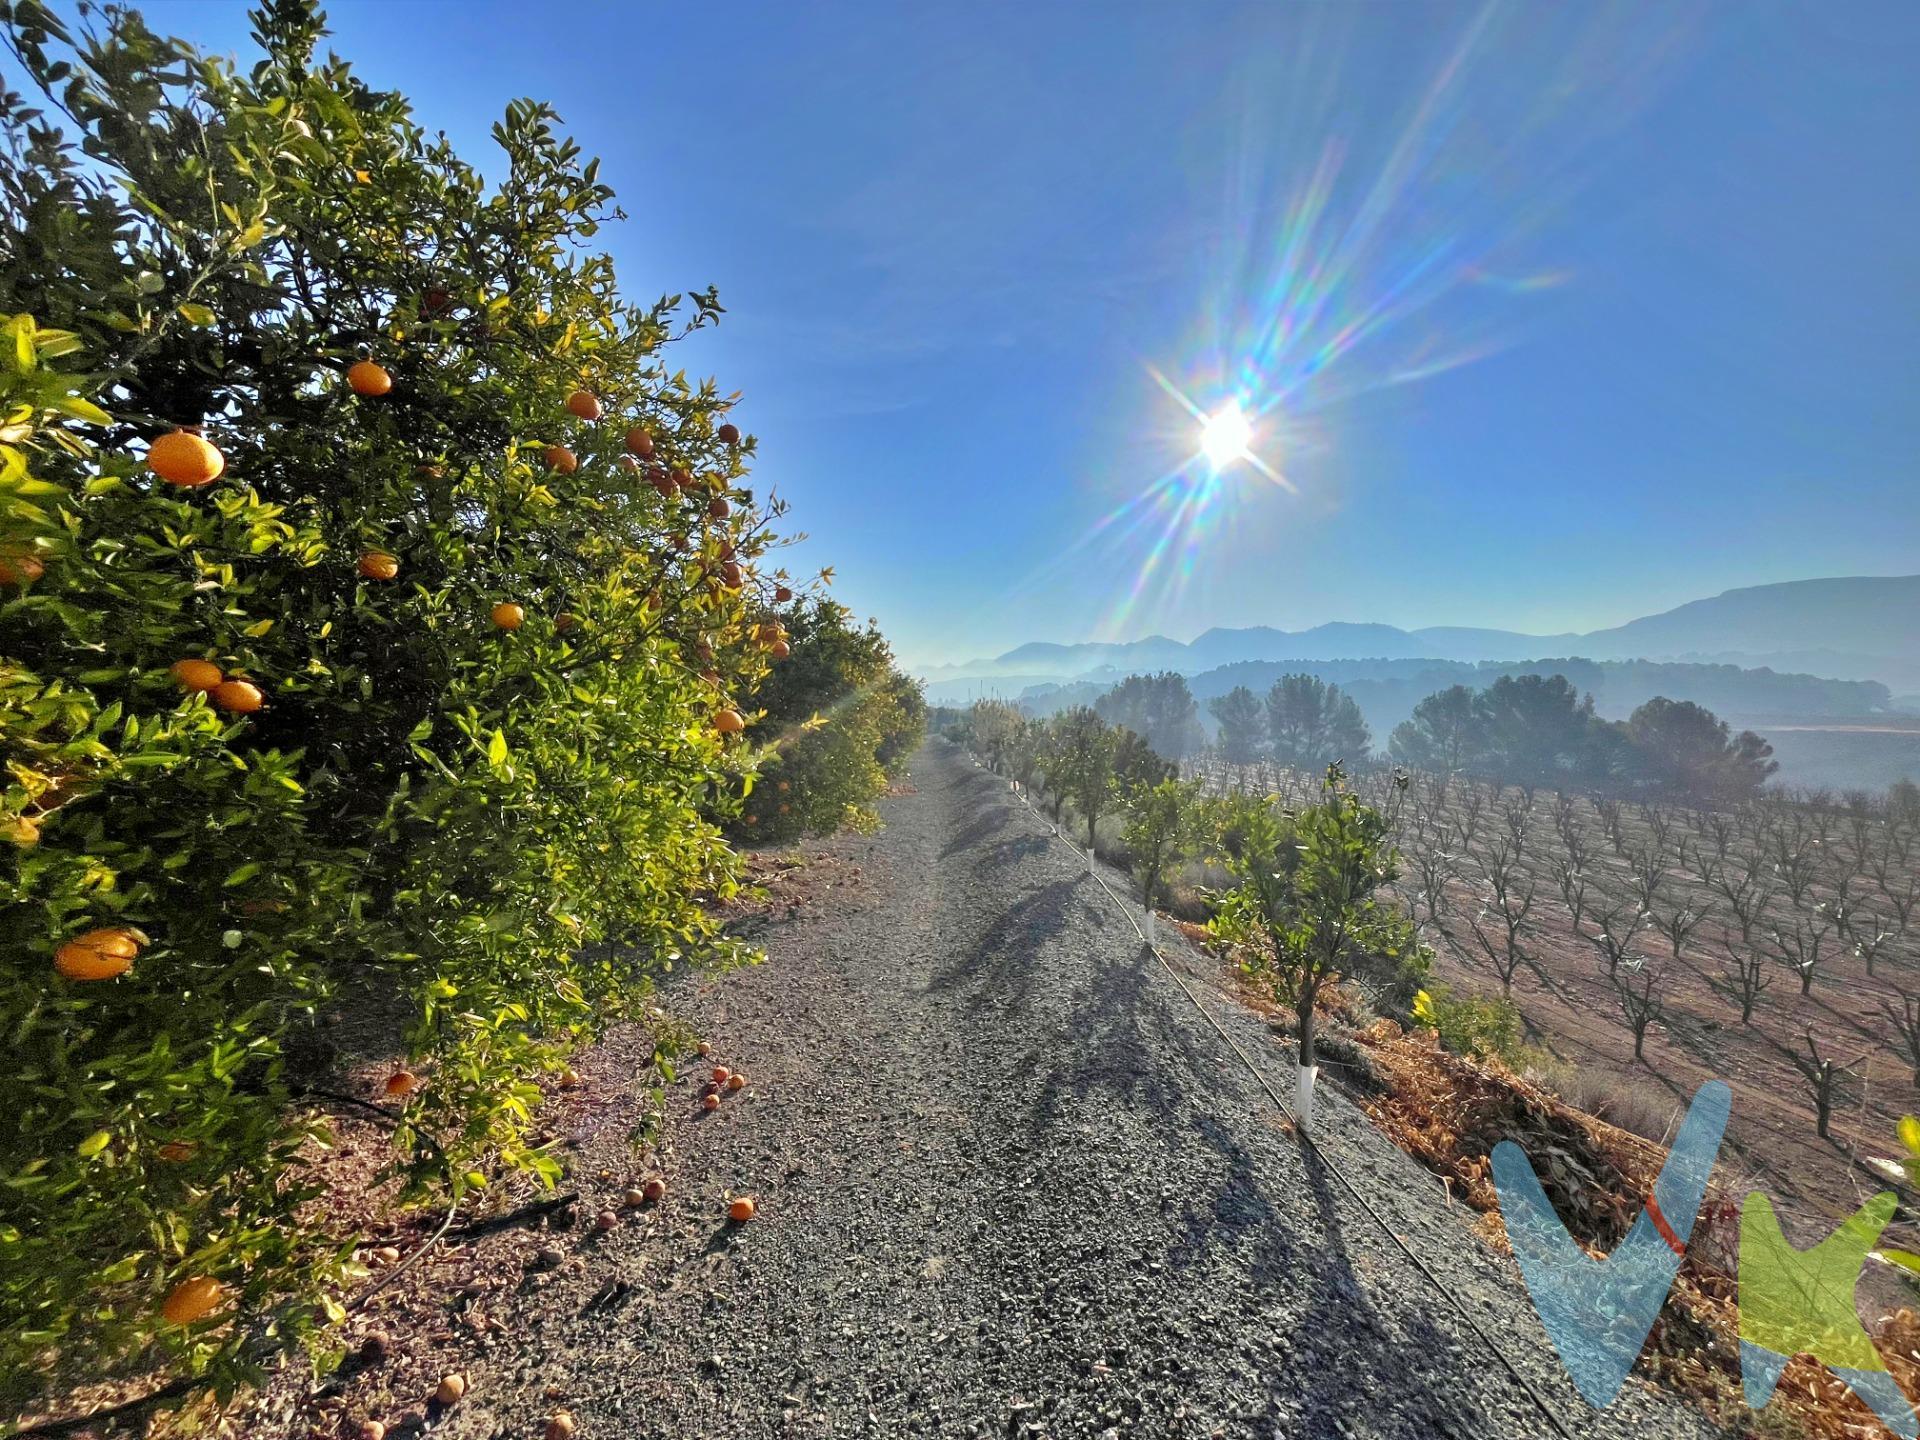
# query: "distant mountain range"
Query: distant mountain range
1849,628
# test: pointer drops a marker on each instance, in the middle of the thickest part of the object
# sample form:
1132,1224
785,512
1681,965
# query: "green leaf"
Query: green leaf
1905,1259
1910,1134
82,410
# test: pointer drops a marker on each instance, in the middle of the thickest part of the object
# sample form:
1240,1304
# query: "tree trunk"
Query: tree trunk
1303,1095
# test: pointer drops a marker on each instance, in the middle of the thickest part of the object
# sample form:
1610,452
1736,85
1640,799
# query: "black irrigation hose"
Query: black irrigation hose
1306,1137
186,1383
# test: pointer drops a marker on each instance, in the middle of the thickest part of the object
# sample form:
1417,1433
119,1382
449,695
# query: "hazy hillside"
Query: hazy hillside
1855,628
1855,616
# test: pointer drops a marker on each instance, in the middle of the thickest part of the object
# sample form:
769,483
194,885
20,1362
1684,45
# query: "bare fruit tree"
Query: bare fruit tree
1509,900
1824,1077
1677,923
1573,887
1798,947
1870,935
1744,982
1906,1025
1640,1005
1617,921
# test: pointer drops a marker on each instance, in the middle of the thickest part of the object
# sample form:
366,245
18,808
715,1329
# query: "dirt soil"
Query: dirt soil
1009,1183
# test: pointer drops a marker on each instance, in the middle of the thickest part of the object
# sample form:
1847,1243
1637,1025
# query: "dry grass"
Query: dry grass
1449,1112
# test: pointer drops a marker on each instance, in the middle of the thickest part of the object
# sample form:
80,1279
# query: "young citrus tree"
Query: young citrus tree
374,595
992,728
1081,765
1160,834
1309,898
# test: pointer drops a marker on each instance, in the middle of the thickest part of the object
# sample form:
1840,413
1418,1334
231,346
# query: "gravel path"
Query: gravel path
1010,1183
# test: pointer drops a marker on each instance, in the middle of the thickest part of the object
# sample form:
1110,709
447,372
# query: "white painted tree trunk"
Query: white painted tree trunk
1152,931
1303,1095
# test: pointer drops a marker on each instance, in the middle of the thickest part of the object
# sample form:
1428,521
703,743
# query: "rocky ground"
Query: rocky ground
1009,1183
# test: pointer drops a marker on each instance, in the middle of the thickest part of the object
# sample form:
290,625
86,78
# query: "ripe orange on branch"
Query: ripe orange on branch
508,616
561,460
728,722
98,954
192,1300
584,404
19,567
640,442
379,565
183,458
240,697
196,674
728,434
367,378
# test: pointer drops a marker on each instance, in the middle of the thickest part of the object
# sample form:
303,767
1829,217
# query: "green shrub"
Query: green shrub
496,835
1468,1025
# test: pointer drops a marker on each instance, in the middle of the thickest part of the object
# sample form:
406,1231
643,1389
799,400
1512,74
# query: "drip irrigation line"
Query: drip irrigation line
174,1389
1126,910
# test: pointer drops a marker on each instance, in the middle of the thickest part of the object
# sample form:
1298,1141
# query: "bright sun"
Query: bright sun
1225,435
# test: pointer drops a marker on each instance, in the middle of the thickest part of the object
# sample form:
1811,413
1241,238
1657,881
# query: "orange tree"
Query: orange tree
373,597
836,717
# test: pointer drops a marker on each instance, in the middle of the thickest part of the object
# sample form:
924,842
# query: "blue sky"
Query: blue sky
1556,315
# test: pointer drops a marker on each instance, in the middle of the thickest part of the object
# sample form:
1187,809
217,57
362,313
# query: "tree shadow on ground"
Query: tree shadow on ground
986,820
1121,1043
1002,853
1000,971
1424,1395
